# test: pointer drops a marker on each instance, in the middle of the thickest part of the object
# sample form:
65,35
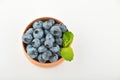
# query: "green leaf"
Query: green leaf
67,38
67,53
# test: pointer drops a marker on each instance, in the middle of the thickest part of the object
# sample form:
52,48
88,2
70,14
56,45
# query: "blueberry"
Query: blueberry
58,53
46,32
46,55
50,37
28,46
40,59
56,31
47,25
57,25
63,28
55,49
38,33
42,40
37,24
48,44
42,49
53,58
27,38
36,43
29,31
51,21
59,41
32,52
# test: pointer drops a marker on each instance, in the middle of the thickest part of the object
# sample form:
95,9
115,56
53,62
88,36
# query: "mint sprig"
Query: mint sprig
67,39
66,51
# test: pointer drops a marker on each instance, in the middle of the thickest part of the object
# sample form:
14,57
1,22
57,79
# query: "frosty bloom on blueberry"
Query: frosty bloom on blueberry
42,49
32,52
36,43
47,41
38,33
27,38
37,24
56,31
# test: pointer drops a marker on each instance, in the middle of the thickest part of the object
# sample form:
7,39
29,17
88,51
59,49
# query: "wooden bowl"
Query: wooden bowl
34,61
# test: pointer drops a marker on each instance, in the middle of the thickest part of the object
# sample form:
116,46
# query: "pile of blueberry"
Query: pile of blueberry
43,40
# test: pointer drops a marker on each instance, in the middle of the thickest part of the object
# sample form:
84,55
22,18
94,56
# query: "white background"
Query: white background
95,24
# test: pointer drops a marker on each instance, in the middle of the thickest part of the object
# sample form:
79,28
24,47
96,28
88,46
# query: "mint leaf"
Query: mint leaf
67,38
67,53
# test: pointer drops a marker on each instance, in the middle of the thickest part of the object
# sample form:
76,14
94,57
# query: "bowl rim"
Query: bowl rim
46,65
